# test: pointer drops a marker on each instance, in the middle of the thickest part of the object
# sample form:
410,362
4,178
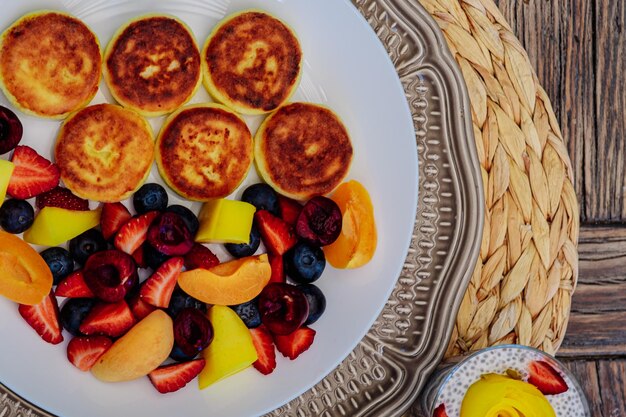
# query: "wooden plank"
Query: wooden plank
612,375
602,255
559,38
586,373
605,191
593,335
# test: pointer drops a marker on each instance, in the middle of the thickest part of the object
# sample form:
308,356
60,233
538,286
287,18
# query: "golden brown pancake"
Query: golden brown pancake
152,65
303,150
50,64
104,152
251,62
204,151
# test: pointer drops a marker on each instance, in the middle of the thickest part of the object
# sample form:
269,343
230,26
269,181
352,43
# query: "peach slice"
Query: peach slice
140,351
24,276
357,241
228,283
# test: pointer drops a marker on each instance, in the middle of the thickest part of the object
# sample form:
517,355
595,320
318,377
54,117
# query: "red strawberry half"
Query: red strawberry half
158,288
62,198
44,318
278,269
84,351
277,235
33,174
139,307
546,378
112,218
170,378
200,257
262,339
293,344
134,232
74,286
108,319
440,411
289,209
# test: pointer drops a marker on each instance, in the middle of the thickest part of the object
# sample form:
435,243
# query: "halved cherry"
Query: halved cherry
192,331
319,221
169,235
283,307
11,130
110,274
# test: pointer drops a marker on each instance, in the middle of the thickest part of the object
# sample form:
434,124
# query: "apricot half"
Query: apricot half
140,351
24,276
357,241
228,283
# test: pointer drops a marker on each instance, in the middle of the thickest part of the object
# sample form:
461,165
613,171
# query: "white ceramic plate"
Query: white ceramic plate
345,68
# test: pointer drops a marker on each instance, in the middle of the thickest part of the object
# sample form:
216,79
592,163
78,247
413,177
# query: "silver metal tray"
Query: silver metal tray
385,372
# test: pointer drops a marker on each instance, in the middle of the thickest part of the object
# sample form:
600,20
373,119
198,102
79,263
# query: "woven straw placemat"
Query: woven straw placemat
522,286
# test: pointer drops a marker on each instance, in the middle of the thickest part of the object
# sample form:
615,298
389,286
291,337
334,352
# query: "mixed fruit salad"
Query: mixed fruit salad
137,288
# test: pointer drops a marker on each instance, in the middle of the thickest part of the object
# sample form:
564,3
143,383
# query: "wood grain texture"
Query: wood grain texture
587,373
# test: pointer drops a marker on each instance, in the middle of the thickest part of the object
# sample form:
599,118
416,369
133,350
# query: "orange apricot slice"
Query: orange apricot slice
24,276
357,241
228,283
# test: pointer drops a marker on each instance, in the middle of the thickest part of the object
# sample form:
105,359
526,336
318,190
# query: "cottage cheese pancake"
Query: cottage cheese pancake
303,150
50,64
204,151
104,152
152,65
251,62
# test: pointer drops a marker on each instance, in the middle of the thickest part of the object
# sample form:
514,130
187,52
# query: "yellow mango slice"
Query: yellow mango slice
228,283
225,221
6,170
53,225
24,276
498,395
230,351
139,352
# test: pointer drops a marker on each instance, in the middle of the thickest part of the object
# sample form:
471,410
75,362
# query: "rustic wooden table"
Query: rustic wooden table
578,49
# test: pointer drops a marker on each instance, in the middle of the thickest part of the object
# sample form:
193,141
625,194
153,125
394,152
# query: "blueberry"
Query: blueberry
304,263
249,313
178,355
188,217
16,215
317,302
153,257
181,300
87,243
150,197
240,250
73,312
263,197
59,261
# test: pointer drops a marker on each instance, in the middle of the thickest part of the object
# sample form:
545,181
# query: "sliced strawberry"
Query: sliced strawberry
440,411
262,339
134,232
62,198
200,257
112,218
108,319
140,257
158,288
277,235
293,344
139,307
289,209
44,318
74,286
170,378
278,269
84,351
546,378
33,174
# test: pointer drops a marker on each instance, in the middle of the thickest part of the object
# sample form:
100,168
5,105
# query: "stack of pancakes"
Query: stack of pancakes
50,66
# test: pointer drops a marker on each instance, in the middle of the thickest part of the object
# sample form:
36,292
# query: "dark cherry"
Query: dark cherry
319,221
11,130
192,331
110,274
283,307
169,235
317,302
